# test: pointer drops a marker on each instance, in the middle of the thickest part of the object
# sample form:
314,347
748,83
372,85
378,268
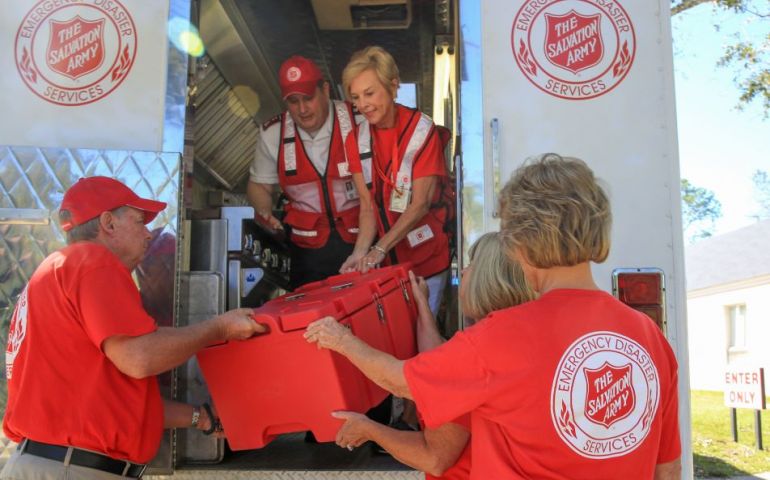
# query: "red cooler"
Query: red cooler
279,383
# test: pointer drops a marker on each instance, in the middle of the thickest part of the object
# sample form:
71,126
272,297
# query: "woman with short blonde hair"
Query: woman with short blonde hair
376,59
396,158
493,281
551,228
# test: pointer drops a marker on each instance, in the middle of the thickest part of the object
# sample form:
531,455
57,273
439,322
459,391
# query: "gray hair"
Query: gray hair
85,231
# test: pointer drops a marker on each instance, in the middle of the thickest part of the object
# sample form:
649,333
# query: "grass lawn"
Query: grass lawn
715,453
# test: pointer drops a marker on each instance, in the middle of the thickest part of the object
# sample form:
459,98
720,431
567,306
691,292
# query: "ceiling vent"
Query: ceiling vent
362,14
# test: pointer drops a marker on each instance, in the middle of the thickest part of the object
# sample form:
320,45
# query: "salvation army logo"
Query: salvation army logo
610,395
75,54
605,394
16,333
573,49
580,50
293,74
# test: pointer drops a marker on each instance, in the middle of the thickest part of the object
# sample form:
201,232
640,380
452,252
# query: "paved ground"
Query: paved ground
762,476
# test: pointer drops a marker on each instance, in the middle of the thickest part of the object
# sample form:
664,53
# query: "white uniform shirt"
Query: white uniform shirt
264,168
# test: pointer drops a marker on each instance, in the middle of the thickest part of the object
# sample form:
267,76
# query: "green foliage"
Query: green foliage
755,63
700,209
714,452
761,181
752,59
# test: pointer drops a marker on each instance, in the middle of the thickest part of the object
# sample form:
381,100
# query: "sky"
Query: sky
719,146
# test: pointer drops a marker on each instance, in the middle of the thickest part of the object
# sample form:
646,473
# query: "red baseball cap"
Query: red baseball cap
298,75
91,196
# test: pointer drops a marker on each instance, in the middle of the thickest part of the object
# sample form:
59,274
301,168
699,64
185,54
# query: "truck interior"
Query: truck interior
232,89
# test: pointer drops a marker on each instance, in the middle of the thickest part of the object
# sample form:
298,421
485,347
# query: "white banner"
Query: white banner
83,73
591,79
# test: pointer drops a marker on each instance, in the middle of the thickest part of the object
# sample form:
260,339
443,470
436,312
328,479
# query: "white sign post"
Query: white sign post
745,388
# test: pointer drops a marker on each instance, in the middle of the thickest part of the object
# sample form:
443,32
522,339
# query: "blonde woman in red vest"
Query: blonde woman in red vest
398,152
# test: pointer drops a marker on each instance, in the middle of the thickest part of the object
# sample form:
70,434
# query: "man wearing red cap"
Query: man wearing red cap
83,355
302,150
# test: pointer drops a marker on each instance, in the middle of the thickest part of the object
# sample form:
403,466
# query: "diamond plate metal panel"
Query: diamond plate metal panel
37,178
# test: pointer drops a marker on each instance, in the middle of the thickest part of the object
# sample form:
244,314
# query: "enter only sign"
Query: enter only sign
745,388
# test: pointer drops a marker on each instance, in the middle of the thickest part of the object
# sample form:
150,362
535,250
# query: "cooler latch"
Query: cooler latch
405,291
380,309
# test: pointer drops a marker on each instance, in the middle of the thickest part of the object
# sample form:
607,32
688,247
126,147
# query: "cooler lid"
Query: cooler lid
338,296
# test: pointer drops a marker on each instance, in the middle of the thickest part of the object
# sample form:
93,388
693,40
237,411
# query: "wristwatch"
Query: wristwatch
196,416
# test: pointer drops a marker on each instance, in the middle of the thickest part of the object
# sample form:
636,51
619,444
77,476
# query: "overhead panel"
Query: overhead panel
225,132
362,14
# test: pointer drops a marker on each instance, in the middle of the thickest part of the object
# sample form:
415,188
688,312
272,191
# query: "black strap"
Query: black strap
215,424
83,458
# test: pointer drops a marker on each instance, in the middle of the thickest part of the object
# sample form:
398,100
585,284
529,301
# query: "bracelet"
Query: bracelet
214,421
196,416
379,249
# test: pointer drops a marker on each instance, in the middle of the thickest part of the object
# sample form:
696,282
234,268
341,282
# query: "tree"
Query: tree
761,181
753,59
700,209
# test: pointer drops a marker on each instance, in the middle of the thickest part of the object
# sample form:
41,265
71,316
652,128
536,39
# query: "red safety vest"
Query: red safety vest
318,201
427,245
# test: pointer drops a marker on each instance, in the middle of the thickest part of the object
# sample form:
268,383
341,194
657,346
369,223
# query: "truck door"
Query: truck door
592,80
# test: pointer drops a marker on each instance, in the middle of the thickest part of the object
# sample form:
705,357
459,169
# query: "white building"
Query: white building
728,304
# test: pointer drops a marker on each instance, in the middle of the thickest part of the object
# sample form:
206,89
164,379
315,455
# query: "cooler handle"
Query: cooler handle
269,320
291,298
341,286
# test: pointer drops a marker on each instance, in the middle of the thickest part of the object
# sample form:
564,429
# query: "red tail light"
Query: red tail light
642,289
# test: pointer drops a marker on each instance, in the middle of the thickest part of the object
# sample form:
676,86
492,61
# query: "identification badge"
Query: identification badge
399,197
419,235
344,169
350,191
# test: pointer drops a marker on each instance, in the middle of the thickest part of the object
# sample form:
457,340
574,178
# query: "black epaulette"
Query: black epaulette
270,122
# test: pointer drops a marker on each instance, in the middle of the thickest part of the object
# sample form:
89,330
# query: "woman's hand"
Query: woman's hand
372,259
352,263
354,432
328,333
420,291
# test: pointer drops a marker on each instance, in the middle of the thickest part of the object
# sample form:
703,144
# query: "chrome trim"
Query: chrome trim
473,214
176,84
471,112
494,128
233,284
25,216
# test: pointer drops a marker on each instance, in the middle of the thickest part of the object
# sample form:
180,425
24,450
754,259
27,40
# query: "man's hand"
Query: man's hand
239,324
328,333
268,221
354,432
206,422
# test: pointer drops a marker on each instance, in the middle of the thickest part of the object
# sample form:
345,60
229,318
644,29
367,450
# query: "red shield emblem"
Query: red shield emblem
573,41
610,395
76,47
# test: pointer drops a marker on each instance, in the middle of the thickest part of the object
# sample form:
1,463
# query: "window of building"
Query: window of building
736,320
